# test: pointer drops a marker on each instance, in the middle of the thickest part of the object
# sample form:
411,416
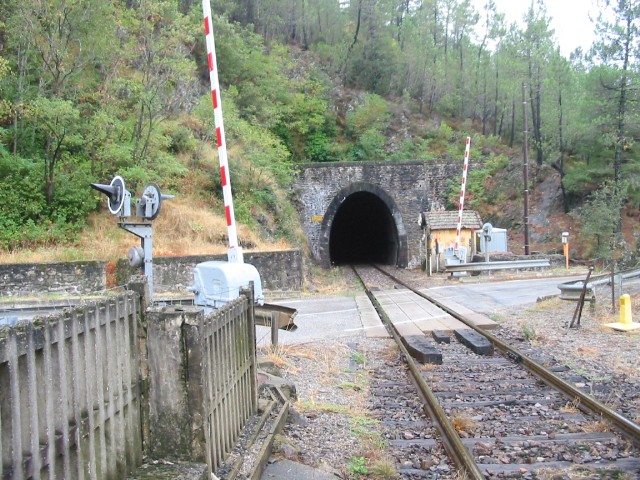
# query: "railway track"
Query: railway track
492,416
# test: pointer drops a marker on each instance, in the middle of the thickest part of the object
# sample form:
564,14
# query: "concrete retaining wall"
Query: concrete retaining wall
281,271
68,278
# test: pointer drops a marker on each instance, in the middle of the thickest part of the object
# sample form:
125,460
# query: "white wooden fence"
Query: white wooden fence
69,394
76,389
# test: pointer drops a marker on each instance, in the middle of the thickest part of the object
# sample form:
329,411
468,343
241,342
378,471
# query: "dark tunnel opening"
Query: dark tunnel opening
363,231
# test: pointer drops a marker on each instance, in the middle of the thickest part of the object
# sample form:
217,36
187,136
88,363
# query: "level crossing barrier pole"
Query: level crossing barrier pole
462,190
234,253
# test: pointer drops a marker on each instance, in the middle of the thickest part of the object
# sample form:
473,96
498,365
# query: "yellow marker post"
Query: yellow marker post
625,324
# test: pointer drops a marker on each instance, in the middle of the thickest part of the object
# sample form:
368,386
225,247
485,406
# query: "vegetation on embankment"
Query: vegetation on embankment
92,89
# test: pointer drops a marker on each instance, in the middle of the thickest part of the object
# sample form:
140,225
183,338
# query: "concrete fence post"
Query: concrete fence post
175,391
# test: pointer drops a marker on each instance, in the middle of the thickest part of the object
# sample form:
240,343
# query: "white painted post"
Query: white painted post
456,247
234,253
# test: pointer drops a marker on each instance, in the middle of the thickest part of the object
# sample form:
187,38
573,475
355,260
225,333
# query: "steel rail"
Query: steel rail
456,450
586,403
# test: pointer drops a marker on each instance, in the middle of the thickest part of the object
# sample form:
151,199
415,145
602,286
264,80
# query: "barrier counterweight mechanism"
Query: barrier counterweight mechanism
147,208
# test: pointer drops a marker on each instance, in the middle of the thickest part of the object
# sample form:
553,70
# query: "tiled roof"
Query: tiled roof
447,220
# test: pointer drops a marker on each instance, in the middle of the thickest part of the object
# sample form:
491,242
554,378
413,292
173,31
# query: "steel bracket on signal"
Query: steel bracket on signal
147,209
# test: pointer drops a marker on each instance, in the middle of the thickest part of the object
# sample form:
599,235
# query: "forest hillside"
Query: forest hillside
92,89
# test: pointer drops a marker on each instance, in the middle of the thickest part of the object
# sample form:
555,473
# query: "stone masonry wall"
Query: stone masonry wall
415,187
280,271
68,278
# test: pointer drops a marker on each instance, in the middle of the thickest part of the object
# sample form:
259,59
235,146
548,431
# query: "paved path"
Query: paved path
487,296
333,317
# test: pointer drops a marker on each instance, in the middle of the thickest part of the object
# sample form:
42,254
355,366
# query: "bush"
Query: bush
26,221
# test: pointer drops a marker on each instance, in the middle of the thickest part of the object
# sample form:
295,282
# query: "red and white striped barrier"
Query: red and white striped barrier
234,254
456,247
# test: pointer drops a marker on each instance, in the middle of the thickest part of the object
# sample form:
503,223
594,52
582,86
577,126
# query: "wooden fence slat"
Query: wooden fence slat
108,359
64,398
76,396
99,362
1,447
32,404
128,380
119,377
90,369
219,399
49,399
16,412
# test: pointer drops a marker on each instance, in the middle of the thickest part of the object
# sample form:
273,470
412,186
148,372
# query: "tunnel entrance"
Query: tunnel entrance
363,231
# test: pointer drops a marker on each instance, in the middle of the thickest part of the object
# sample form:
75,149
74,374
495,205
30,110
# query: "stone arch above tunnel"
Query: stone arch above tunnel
368,225
407,188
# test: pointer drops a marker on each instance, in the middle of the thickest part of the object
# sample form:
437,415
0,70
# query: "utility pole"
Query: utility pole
525,171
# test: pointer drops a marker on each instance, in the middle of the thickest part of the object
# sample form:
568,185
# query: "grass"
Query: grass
183,227
384,468
350,386
578,472
312,406
359,358
529,332
357,467
335,281
464,424
596,426
571,407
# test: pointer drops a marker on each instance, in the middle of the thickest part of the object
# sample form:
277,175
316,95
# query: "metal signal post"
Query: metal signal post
525,172
147,209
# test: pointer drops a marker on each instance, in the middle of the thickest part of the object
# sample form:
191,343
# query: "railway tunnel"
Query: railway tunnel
364,229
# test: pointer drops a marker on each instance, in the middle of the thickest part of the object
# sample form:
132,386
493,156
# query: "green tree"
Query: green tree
618,51
365,126
157,47
537,48
56,121
599,221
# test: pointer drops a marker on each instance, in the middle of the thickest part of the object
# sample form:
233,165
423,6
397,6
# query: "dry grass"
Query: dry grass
428,367
384,468
336,281
596,426
184,227
588,351
281,354
276,355
571,407
464,424
578,472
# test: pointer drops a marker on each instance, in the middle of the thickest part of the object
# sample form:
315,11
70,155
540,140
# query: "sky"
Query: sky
569,19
